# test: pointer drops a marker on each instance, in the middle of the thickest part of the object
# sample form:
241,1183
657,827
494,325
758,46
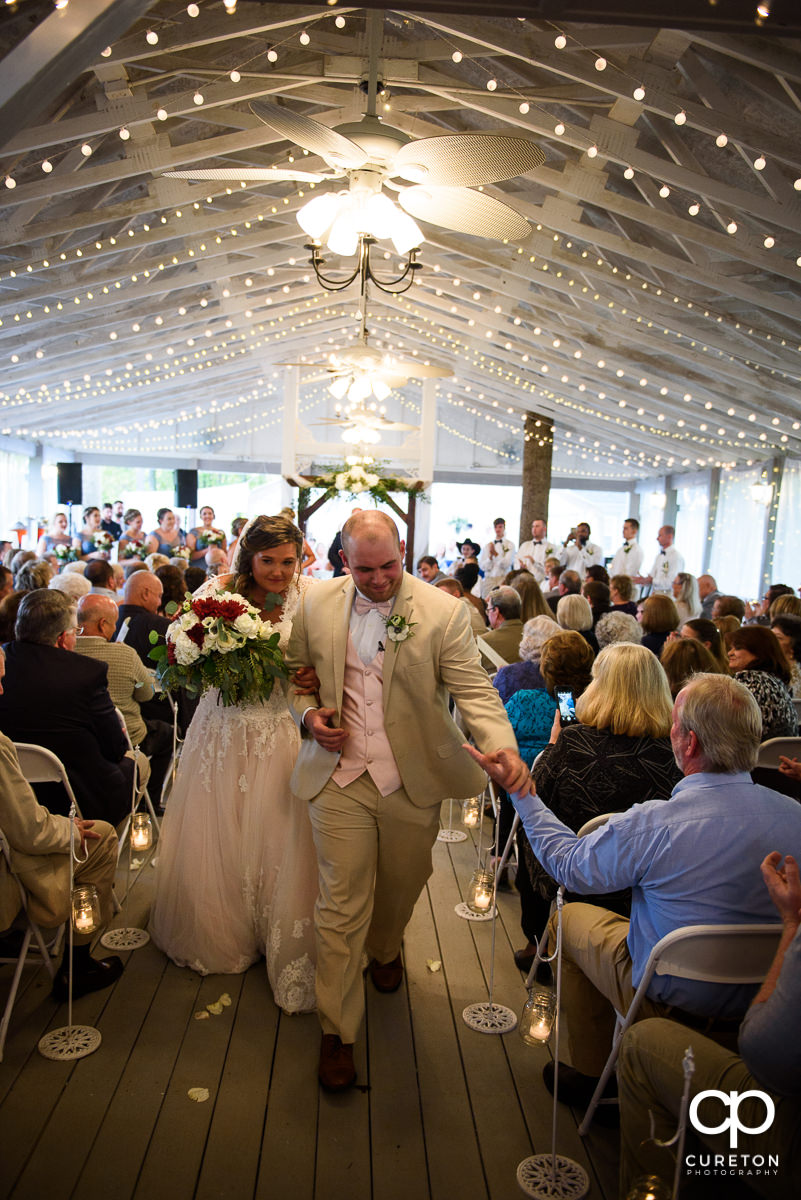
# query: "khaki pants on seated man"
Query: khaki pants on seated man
596,980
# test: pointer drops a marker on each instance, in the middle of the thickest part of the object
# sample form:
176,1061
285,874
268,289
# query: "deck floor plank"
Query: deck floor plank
289,1143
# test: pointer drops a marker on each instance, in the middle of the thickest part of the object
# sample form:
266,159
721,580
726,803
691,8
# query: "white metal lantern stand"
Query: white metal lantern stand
450,834
74,1041
651,1187
140,837
553,1176
486,1016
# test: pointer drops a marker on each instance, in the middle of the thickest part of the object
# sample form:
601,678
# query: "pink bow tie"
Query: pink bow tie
362,606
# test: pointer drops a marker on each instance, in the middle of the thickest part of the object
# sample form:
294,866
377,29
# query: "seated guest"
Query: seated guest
728,606
239,523
40,853
154,561
550,584
708,634
574,612
135,564
757,660
659,618
708,593
597,573
621,594
526,673
787,629
194,577
617,626
788,605
651,1075
686,597
130,684
428,569
18,561
216,562
56,698
618,755
569,585
690,861
684,657
759,614
102,581
32,575
726,625
141,601
8,615
506,628
6,582
597,595
173,588
56,535
532,601
454,588
71,583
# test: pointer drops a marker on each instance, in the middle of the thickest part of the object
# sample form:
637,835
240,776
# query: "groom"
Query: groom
378,756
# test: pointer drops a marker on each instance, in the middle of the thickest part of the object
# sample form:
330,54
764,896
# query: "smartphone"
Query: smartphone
567,707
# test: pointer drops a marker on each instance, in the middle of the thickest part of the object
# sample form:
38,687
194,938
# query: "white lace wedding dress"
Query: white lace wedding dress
237,869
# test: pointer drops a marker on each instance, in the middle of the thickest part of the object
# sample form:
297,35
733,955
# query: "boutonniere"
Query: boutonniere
588,550
549,551
626,548
398,628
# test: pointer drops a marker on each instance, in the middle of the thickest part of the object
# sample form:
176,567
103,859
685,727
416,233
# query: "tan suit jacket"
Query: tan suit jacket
440,658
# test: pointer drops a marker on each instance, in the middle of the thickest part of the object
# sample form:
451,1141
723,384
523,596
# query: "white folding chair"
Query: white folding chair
730,954
138,794
123,630
43,951
769,751
593,824
40,765
493,655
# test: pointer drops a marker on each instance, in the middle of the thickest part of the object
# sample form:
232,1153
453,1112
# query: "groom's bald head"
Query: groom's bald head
370,526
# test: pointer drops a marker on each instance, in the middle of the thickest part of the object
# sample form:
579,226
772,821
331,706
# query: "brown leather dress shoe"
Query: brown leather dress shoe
336,1072
387,977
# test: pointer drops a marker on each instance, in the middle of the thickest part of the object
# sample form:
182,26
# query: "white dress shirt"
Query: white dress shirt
578,558
532,556
666,567
496,567
627,560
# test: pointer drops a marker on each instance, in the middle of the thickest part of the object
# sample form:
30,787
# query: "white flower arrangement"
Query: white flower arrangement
355,480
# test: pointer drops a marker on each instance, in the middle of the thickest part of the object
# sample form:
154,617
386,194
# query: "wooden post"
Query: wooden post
537,456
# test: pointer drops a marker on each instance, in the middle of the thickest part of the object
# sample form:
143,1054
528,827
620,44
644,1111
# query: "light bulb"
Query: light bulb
106,53
193,10
560,41
340,22
592,152
721,140
628,173
234,77
524,107
151,37
304,38
406,233
769,243
694,209
664,191
639,93
125,133
457,56
317,217
161,113
86,149
47,166
230,6
760,163
272,55
559,129
600,63
492,85
731,227
198,98
11,183
680,118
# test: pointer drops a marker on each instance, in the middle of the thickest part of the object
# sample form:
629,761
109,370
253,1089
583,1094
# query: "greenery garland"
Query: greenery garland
357,479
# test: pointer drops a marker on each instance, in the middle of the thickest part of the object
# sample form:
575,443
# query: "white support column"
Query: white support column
290,426
428,430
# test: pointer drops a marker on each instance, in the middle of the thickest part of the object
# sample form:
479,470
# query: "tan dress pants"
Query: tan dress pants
46,879
374,857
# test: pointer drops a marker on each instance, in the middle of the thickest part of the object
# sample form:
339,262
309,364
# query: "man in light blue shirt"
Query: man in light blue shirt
691,860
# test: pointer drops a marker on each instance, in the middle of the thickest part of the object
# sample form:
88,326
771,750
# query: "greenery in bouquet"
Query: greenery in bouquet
133,550
214,537
102,540
221,642
65,554
181,552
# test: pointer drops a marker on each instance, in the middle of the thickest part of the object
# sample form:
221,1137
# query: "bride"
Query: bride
237,869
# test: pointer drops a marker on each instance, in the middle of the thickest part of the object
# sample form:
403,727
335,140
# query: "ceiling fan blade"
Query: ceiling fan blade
396,426
337,150
465,211
466,159
243,174
412,369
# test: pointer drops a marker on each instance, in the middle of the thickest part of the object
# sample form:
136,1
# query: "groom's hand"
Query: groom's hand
505,767
330,737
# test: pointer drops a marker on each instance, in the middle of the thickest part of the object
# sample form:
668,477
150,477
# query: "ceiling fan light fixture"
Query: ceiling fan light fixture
360,388
381,390
317,217
339,387
361,434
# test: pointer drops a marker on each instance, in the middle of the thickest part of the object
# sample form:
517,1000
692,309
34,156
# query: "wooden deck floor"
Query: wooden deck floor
440,1111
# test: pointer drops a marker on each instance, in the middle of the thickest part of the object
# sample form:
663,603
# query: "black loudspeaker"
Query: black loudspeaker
186,489
70,483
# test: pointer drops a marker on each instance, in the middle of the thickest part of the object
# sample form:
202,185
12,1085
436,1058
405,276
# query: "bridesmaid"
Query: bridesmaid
132,540
56,535
168,537
198,538
91,526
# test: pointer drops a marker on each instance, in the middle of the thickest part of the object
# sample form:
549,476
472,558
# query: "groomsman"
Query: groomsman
667,564
578,552
379,754
628,559
496,558
532,554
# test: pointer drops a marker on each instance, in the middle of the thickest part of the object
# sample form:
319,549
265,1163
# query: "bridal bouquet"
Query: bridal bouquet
219,642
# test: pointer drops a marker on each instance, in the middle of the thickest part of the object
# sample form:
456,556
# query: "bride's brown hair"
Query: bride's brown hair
263,534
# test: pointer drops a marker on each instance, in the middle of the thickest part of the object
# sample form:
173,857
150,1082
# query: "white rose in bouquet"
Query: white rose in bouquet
186,652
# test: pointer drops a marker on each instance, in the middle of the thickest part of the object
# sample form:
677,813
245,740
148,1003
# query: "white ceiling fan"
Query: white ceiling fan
434,177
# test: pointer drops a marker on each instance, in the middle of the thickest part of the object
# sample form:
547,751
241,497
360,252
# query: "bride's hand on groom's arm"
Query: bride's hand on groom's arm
505,767
328,736
305,681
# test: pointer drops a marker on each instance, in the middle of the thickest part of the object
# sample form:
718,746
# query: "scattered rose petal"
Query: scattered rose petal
201,1016
198,1094
136,863
225,1000
215,1008
433,965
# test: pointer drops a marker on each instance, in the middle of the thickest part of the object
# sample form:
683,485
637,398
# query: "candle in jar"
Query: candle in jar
140,839
483,898
84,920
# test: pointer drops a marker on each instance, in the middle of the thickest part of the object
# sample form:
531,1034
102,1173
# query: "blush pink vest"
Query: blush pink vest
367,747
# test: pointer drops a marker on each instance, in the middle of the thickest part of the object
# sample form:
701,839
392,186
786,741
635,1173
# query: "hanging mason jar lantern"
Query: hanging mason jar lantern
141,832
649,1187
479,892
538,1017
471,811
85,908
